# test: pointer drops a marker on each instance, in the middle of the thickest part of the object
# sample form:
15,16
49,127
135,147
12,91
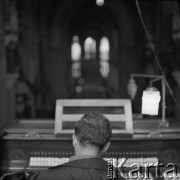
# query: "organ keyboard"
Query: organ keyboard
47,161
43,161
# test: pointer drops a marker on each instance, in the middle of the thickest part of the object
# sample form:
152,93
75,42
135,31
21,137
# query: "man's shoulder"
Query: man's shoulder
74,169
86,163
51,173
68,171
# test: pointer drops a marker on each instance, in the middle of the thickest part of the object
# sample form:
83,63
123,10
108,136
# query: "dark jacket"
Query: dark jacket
86,169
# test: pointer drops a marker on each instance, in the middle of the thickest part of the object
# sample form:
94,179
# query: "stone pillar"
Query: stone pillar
3,92
29,44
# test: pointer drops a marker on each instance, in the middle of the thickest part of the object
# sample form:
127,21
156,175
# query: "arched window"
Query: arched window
104,56
76,57
89,48
89,54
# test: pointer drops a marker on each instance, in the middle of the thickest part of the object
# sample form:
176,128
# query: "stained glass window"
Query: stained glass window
76,57
104,56
75,49
89,48
89,54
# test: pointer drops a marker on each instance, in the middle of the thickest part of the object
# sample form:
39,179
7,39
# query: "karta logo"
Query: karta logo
157,170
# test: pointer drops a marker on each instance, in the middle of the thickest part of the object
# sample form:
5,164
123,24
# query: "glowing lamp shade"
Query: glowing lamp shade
132,88
99,2
150,101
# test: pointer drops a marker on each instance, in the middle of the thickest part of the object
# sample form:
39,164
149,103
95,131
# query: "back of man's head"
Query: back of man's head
93,129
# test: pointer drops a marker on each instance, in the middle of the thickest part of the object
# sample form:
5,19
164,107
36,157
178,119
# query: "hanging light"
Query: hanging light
150,101
132,88
99,2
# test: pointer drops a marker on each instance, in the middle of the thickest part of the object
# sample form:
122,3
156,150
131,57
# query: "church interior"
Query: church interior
86,50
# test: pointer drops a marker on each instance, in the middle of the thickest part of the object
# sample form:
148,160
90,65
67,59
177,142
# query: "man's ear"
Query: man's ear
74,140
106,147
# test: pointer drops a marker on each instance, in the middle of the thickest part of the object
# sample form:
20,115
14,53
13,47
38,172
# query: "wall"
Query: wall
44,44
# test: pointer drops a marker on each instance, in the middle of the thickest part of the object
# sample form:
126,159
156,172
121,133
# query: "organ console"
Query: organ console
31,145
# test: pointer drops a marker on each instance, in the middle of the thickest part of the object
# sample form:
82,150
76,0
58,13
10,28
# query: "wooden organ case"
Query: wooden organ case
31,145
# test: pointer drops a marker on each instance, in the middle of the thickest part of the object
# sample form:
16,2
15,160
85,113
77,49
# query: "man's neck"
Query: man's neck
89,151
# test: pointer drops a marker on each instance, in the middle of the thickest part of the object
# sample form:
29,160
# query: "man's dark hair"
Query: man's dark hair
93,129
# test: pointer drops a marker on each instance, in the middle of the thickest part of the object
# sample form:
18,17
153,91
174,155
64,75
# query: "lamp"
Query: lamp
150,101
151,96
99,2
